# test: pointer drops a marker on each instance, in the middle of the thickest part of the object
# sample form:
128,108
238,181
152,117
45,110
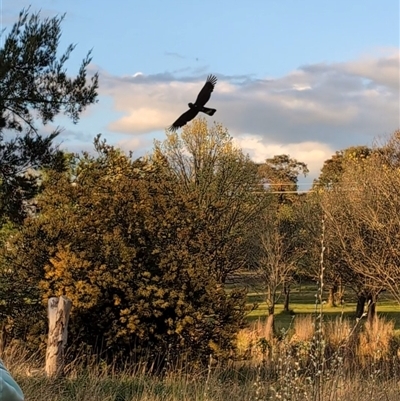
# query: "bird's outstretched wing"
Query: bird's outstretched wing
205,93
183,119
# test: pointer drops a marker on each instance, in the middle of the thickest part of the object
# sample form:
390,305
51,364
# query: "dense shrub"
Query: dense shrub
128,248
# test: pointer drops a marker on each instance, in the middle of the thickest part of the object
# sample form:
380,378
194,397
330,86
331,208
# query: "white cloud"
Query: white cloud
143,119
300,87
311,153
138,145
383,71
308,113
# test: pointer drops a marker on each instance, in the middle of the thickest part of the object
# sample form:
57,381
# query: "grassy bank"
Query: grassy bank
221,386
302,301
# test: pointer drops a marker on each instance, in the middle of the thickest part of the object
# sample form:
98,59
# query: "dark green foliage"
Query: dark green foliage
34,86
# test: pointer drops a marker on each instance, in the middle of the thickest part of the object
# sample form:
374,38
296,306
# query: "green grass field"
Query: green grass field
303,301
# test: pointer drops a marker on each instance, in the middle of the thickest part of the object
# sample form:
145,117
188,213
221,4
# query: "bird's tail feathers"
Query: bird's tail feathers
208,111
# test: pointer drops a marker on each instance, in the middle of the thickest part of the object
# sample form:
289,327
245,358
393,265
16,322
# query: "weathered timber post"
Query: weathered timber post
58,310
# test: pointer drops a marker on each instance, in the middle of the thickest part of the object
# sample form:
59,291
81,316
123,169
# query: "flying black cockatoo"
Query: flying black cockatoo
202,98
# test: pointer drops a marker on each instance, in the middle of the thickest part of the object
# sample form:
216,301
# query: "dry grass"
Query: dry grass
252,344
376,340
284,369
273,375
338,331
304,328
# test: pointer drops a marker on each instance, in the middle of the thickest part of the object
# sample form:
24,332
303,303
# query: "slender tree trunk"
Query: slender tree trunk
333,289
286,291
270,325
371,314
340,292
3,337
361,299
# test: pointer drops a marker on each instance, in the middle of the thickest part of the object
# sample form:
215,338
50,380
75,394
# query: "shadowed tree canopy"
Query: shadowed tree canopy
332,190
346,194
333,168
34,87
277,246
202,98
280,174
362,213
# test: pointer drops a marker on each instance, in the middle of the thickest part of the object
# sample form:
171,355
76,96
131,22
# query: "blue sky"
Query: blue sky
303,77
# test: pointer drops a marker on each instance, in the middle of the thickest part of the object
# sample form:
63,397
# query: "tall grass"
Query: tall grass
282,370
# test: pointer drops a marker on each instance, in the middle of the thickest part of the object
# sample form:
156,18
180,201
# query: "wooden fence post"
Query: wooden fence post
58,310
